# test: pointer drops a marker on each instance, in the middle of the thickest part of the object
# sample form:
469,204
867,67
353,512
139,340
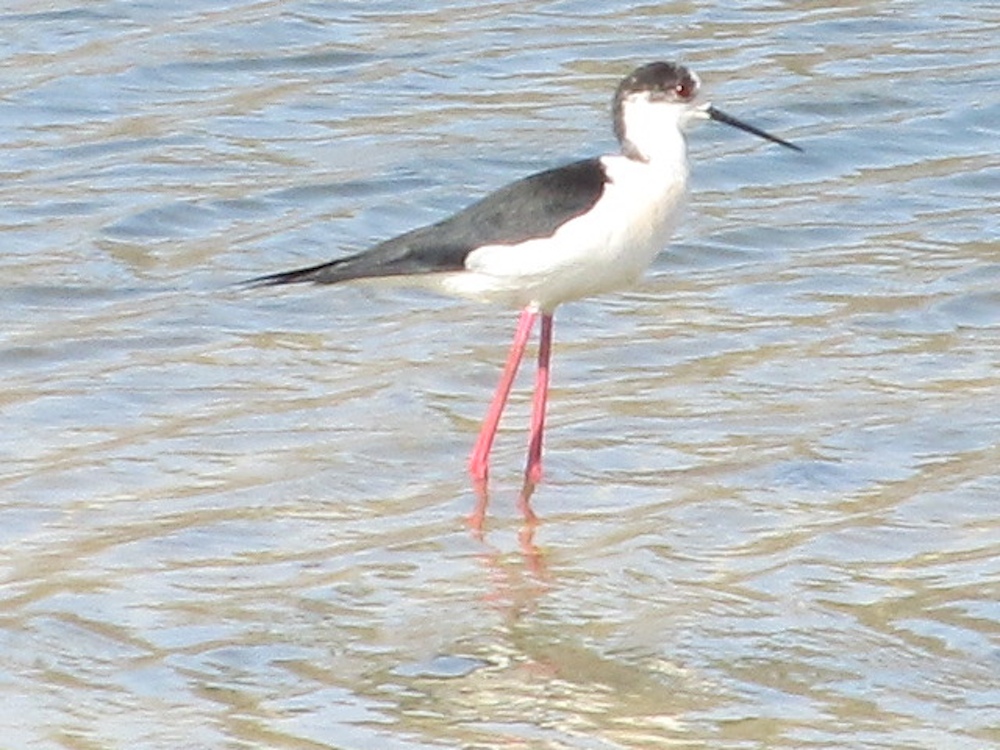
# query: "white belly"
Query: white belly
605,249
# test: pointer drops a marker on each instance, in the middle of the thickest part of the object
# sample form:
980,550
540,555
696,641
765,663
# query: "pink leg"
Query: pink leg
533,471
480,458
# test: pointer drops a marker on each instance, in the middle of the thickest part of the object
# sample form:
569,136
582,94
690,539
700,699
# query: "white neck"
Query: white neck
653,131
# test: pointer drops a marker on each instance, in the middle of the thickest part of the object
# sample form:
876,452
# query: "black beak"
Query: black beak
720,116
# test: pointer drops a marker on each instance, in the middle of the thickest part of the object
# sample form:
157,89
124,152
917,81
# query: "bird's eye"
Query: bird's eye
684,89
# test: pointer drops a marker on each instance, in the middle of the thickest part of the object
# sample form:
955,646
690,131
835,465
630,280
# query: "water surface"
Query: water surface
237,519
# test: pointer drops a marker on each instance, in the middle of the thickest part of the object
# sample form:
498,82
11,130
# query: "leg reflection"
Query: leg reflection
477,518
525,535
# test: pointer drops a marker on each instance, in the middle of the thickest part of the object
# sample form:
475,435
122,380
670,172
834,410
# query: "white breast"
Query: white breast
605,249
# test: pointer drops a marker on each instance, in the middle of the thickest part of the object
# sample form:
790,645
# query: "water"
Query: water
237,519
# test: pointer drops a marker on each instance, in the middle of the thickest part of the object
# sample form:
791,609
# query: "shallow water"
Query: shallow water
237,519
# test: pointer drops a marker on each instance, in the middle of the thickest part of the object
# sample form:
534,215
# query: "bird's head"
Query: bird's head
654,104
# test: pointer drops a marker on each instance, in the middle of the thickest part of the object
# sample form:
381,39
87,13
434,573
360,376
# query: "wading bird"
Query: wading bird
582,229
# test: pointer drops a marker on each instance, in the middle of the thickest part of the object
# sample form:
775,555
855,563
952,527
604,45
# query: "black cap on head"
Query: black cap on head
673,83
663,81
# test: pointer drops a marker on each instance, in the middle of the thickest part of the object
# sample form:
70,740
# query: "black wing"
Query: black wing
531,207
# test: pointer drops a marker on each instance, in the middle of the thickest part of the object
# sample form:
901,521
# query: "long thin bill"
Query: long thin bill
720,116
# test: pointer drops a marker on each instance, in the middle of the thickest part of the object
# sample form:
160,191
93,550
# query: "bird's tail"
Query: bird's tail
323,273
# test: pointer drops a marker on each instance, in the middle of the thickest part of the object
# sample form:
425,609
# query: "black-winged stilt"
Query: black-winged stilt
578,230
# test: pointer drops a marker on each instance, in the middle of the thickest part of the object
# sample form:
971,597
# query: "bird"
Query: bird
574,231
